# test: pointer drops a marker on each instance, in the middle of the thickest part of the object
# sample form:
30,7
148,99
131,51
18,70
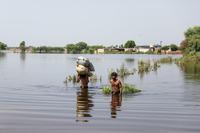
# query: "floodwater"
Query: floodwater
35,99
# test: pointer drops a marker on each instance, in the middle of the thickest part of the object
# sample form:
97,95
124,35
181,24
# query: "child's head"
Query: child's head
114,75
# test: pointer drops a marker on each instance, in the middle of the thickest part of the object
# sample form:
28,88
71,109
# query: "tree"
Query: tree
192,31
82,45
165,47
22,46
184,45
192,35
130,44
95,47
173,47
77,48
3,46
72,48
121,46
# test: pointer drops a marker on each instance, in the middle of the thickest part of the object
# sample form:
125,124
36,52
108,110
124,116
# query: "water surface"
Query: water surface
34,97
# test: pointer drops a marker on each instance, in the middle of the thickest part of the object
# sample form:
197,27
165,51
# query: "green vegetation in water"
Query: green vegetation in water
147,66
106,90
166,60
73,78
144,66
189,58
127,89
123,71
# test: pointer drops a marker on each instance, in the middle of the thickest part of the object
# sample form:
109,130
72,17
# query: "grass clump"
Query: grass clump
166,60
144,66
194,58
130,89
73,78
123,71
106,90
127,89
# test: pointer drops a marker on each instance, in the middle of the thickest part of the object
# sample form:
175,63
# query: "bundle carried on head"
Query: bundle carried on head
84,66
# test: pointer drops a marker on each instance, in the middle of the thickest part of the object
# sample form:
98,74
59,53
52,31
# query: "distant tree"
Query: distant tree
45,49
95,47
22,46
173,47
165,47
3,46
121,46
129,44
82,45
73,48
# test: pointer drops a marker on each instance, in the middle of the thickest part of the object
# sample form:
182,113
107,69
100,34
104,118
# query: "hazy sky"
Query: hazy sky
108,22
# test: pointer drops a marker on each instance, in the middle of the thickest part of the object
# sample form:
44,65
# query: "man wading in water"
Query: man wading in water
84,80
84,68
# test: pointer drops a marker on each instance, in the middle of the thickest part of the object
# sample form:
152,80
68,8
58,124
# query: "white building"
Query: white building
143,48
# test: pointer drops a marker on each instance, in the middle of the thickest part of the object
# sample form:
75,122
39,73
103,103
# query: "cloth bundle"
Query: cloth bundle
84,66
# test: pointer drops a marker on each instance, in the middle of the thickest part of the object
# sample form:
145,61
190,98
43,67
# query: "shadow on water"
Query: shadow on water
84,105
116,102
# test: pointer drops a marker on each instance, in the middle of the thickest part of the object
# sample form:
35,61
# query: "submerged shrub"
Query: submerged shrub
166,60
127,89
106,90
130,89
123,71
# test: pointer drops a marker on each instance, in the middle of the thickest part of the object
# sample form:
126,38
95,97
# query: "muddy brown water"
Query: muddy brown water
34,98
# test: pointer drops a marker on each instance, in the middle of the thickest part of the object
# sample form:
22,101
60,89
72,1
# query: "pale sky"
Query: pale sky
108,22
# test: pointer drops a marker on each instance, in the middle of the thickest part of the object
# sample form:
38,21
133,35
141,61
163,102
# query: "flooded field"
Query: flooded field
34,97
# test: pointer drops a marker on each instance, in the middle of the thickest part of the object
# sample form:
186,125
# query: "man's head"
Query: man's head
114,75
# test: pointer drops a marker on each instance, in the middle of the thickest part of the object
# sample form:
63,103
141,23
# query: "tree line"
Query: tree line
191,44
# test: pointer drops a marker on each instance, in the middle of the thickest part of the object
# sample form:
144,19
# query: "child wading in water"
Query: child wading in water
115,84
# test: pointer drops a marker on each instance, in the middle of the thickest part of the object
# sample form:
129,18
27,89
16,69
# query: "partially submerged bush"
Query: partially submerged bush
123,71
130,89
194,58
147,66
73,78
166,60
127,89
106,90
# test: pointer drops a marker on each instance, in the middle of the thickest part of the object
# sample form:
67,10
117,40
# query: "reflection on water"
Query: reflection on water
130,60
84,105
192,69
116,102
2,55
22,56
